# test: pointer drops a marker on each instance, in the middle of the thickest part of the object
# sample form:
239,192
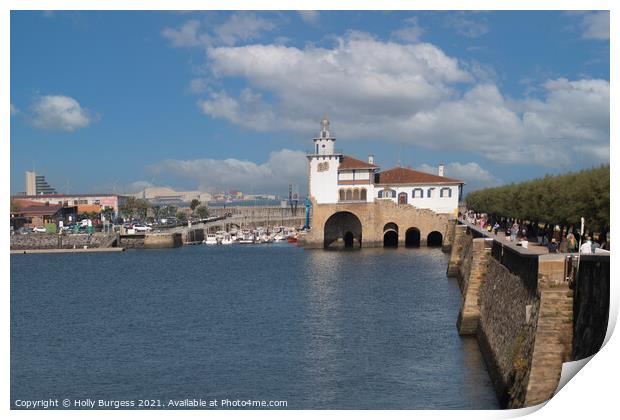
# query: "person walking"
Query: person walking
553,246
513,232
563,245
586,247
572,243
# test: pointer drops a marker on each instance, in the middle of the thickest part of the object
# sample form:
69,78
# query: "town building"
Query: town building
36,184
85,203
338,178
166,195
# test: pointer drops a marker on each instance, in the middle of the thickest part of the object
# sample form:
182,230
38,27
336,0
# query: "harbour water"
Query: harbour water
360,329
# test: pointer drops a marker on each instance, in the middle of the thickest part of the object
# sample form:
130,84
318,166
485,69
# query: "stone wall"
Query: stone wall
55,241
520,307
373,217
503,327
591,305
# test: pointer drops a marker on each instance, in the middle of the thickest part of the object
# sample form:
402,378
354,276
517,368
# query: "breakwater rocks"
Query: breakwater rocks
96,240
530,313
55,241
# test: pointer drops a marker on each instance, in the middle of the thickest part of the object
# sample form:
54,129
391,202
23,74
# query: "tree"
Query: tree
202,211
560,200
156,211
194,204
142,208
181,216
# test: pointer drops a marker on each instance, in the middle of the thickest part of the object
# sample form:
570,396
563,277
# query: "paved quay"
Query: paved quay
64,250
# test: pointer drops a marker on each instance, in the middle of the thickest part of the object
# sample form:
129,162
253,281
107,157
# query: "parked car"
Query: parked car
142,228
39,229
24,231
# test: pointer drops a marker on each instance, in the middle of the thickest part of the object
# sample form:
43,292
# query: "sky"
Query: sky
114,101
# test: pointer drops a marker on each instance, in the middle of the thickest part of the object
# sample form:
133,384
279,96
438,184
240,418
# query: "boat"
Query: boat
246,238
211,239
226,239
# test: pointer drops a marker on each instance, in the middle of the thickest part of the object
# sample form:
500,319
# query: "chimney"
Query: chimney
371,159
440,172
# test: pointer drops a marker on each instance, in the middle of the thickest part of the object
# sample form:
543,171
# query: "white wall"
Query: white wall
324,185
436,203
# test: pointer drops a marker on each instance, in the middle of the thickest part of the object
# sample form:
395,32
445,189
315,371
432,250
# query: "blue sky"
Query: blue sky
104,101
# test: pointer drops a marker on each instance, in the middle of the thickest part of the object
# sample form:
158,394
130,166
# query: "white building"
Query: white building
337,178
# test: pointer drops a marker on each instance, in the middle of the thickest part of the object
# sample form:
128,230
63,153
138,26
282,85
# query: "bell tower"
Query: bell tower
324,143
323,162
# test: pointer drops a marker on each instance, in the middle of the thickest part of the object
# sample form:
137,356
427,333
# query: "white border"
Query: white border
591,395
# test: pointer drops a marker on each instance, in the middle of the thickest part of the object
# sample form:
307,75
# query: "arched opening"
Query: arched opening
356,194
342,229
390,239
349,195
342,195
434,239
390,235
412,238
363,194
348,240
402,198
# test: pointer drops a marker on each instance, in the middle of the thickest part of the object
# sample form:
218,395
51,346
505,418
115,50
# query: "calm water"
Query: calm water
365,329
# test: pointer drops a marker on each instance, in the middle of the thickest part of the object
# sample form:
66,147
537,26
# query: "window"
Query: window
349,195
363,194
380,194
417,193
445,192
342,195
429,194
402,198
356,194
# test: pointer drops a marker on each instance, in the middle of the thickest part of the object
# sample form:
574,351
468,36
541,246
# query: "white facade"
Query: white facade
324,178
331,181
443,198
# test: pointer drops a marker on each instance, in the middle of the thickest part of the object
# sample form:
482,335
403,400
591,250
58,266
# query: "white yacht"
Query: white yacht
211,239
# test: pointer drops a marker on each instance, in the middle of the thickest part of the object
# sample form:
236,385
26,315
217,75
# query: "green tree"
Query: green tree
181,216
202,212
194,204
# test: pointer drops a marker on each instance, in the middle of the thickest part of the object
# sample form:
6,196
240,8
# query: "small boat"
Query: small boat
291,239
246,238
279,238
226,239
211,239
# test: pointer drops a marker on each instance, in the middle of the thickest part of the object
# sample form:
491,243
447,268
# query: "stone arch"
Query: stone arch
390,235
434,239
412,238
343,228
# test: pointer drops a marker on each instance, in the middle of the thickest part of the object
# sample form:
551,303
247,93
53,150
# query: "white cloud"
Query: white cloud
466,26
187,35
595,25
242,26
198,85
309,16
283,167
14,110
411,32
474,176
413,94
57,112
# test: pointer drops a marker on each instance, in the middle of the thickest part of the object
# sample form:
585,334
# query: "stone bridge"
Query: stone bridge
377,224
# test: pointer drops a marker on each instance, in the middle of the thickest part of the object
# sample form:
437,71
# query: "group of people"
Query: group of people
554,238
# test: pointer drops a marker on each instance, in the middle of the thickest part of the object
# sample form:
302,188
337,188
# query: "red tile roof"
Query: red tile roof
349,162
39,210
400,175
